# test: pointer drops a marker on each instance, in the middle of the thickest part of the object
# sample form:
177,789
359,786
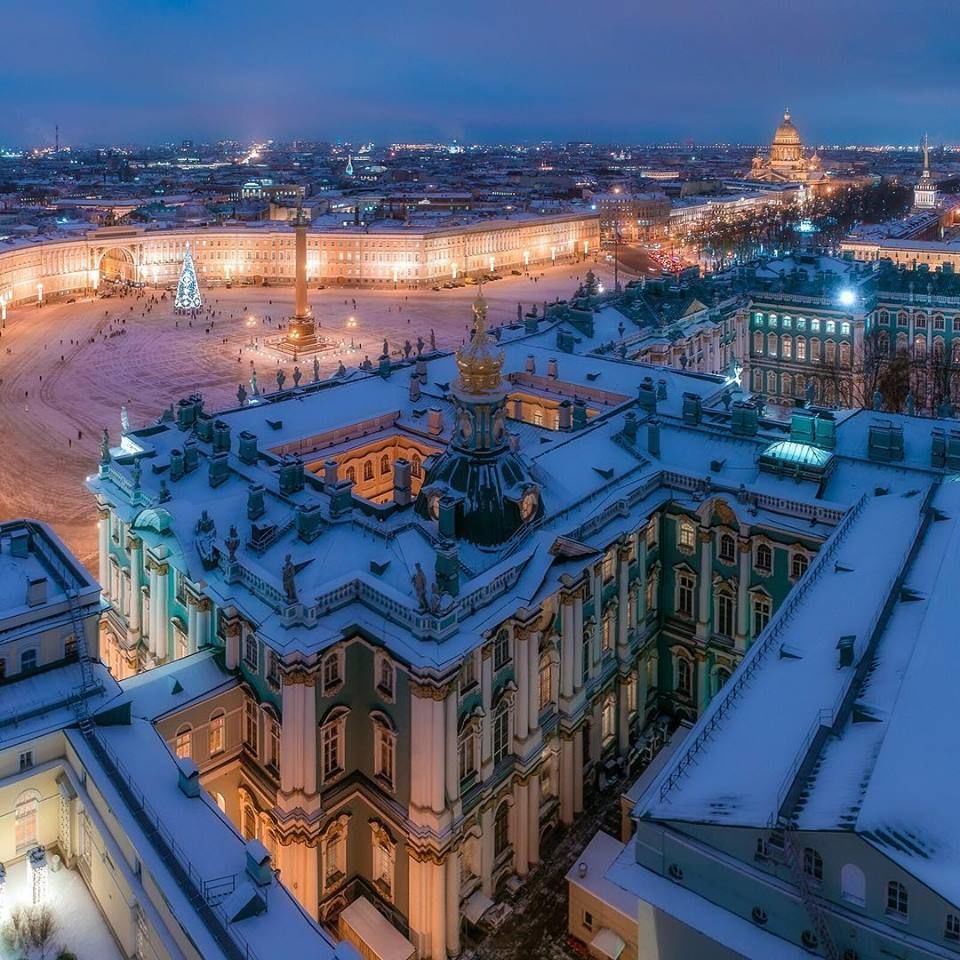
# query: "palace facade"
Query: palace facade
448,598
382,255
786,161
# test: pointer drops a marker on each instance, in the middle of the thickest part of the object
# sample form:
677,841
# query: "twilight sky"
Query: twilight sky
112,71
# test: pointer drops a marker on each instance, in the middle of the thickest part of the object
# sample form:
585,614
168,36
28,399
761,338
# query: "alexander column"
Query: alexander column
301,333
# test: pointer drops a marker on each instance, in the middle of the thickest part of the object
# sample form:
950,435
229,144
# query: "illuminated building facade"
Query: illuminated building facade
409,257
444,600
786,162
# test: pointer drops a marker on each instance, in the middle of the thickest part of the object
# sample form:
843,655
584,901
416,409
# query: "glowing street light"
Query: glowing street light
847,297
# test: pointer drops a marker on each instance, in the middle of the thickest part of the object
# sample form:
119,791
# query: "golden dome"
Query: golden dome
787,133
479,363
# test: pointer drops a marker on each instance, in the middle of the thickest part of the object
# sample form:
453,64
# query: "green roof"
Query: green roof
804,454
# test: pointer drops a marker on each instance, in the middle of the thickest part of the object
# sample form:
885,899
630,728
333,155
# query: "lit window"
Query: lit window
184,742
545,697
786,346
26,811
686,535
772,344
216,733
608,719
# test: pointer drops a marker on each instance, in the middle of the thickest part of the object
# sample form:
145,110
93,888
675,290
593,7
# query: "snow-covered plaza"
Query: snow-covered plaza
67,368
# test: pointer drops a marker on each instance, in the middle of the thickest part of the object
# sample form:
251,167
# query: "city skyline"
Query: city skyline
219,71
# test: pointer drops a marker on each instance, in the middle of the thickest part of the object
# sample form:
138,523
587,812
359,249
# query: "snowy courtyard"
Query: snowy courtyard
80,927
66,368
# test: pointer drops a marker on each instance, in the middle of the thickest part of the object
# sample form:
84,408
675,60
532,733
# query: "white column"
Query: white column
623,717
521,711
103,536
232,645
453,902
567,652
566,780
428,748
308,747
533,661
192,625
533,818
451,763
578,771
437,766
578,677
159,602
521,827
623,605
642,592
152,630
486,850
706,584
136,558
486,693
743,594
291,735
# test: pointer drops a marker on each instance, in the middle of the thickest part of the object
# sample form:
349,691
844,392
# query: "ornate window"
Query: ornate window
684,676
798,565
608,718
273,669
898,902
386,676
757,376
830,352
384,749
801,346
248,817
333,851
216,733
844,353
251,651
726,605
351,474
251,725
545,686
501,650
771,382
772,344
686,535
762,608
467,752
786,346
367,469
183,744
764,560
25,815
814,350
468,672
758,343
384,464
384,858
332,735
501,830
686,584
920,347
416,466
606,633
332,672
951,929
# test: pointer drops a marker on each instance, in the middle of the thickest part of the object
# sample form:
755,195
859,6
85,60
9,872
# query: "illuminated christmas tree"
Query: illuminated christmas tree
188,290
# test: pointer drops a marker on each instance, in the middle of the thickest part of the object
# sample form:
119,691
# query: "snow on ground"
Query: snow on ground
65,369
80,925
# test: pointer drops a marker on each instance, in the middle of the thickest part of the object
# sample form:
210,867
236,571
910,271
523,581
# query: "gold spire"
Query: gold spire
479,363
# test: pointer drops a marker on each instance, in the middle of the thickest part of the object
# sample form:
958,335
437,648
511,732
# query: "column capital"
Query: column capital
298,674
623,552
162,569
528,632
204,604
103,513
134,542
430,691
704,534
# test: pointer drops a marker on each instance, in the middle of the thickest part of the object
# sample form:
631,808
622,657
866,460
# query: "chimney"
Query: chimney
653,437
447,568
531,364
630,426
309,521
552,368
448,517
191,456
36,591
177,468
330,474
414,389
219,469
291,475
188,777
565,415
221,437
255,505
692,409
248,451
402,493
435,421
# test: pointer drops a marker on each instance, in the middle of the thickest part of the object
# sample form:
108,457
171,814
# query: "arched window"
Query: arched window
938,349
608,719
220,801
853,884
501,730
772,344
920,321
724,617
758,343
26,811
416,466
684,676
801,348
757,380
332,746
830,351
844,353
898,903
216,732
812,864
764,558
183,745
501,829
901,342
771,382
798,565
501,650
248,819
814,349
367,469
723,675
385,464
883,345
786,346
728,548
351,474
787,385
332,672
920,347
384,748
883,318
